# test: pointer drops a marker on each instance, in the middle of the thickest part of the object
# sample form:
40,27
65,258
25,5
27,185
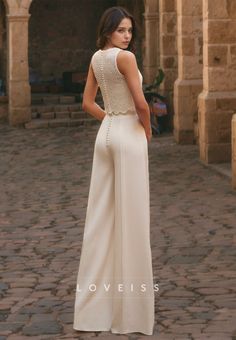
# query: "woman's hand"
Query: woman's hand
149,135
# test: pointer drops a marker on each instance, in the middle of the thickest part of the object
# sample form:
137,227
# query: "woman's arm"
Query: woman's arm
127,65
89,105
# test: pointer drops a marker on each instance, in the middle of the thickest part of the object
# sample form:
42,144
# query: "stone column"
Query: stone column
217,101
189,82
234,151
168,48
151,42
18,70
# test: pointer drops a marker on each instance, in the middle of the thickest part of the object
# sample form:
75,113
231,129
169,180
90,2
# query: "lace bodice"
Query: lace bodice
114,89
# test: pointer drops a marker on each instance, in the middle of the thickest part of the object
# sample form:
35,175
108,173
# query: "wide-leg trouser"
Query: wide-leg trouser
115,278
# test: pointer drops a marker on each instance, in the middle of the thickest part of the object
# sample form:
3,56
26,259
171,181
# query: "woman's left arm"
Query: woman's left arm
90,91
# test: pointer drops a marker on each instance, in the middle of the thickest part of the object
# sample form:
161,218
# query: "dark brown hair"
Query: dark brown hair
109,22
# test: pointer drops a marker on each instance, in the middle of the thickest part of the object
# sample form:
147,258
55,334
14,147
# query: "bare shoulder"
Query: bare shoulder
126,56
125,60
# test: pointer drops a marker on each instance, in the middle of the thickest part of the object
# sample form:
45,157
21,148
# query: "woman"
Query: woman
115,279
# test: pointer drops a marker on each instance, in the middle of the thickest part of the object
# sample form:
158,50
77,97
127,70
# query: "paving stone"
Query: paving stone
66,317
11,326
3,287
49,302
44,185
42,327
46,286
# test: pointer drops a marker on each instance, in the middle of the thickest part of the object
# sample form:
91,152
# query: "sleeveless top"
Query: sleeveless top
116,95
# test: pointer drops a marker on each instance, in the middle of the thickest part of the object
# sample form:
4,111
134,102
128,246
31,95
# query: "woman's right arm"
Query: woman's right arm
127,65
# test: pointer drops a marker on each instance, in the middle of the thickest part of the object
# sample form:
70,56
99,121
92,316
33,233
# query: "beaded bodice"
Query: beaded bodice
114,89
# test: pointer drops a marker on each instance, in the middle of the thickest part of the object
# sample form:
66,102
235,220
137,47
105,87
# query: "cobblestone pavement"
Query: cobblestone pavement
44,180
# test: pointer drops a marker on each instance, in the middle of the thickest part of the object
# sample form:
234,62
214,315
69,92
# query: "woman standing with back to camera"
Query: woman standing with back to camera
115,279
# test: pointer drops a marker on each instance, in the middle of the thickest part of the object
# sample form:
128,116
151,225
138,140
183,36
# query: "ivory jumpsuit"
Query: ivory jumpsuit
115,278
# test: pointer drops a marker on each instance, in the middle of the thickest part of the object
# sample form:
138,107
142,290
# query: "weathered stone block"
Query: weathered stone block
217,55
206,102
58,122
221,31
185,25
226,103
233,56
64,114
169,45
218,125
220,79
37,124
169,62
67,99
184,137
187,45
189,67
167,6
3,111
168,23
218,153
80,114
19,94
185,103
233,141
75,107
215,125
76,122
217,9
61,108
43,108
47,115
19,116
187,7
231,9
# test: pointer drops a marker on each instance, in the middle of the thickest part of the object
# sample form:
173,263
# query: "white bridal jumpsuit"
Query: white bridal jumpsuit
115,278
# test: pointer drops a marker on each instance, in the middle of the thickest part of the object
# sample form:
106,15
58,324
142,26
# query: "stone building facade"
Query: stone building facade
193,41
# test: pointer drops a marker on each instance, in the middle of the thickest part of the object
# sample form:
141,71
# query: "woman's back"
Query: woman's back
115,92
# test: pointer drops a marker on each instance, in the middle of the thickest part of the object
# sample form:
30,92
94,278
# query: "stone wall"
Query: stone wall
217,102
189,82
151,47
3,47
62,35
234,151
168,47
